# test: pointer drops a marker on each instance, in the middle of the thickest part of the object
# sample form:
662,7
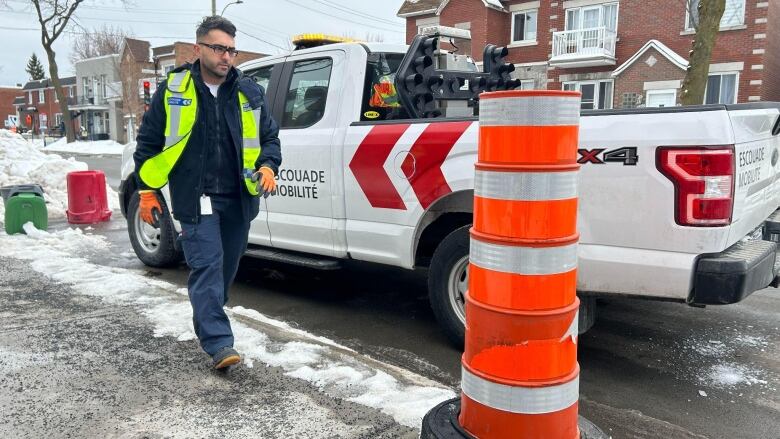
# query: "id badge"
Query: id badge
205,205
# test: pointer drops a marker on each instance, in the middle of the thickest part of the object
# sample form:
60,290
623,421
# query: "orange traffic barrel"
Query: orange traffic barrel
520,376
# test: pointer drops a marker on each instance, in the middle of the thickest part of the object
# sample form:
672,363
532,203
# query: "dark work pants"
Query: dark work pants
213,248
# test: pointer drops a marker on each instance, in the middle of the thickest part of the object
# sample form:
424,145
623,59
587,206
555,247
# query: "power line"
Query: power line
340,18
81,33
264,41
358,13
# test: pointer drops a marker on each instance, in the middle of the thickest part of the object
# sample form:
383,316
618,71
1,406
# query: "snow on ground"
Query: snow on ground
334,369
719,365
22,163
97,147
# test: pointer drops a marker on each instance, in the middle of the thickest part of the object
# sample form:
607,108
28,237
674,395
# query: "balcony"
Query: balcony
591,47
90,103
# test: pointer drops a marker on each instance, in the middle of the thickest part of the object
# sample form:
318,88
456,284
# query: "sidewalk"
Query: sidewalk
94,351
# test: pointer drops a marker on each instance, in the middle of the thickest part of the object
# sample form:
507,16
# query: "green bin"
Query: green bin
22,208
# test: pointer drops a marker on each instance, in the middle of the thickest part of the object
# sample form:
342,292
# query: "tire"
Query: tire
447,282
155,247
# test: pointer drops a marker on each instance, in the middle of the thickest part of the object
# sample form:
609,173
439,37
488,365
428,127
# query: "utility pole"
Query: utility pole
213,7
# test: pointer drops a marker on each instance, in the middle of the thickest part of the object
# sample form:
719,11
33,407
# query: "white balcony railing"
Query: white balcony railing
584,47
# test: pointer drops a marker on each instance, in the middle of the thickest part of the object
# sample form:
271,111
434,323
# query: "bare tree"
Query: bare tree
104,41
53,16
705,17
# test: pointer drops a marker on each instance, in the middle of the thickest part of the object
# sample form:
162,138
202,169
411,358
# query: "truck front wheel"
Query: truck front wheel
154,246
448,281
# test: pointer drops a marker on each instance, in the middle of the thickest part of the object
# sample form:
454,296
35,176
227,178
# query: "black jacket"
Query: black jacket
187,177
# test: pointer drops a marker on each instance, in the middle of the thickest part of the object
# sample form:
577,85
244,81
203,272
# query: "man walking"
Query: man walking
209,132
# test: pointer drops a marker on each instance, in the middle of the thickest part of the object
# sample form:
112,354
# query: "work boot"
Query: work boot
225,357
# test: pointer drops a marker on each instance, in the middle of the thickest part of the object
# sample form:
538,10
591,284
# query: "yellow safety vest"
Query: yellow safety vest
181,103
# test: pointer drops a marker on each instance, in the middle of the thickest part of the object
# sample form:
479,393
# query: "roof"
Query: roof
139,49
411,8
663,49
46,83
495,4
419,7
32,85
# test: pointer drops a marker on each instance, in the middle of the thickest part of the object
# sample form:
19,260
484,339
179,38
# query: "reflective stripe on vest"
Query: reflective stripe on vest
181,103
250,132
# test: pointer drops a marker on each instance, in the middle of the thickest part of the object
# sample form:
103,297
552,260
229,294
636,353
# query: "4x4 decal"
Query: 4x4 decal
626,156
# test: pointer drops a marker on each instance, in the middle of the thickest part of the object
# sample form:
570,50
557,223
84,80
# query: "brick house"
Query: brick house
135,66
618,53
41,104
173,55
7,108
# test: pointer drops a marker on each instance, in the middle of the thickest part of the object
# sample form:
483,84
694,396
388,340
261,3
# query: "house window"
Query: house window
589,17
527,84
70,91
734,15
167,69
57,119
721,89
661,98
630,100
41,96
524,26
29,98
104,85
98,88
86,92
595,94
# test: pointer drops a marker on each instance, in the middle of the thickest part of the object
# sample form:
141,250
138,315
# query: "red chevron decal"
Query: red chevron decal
426,157
368,166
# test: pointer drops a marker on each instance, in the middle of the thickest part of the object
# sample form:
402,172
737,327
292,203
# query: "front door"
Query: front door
266,76
300,215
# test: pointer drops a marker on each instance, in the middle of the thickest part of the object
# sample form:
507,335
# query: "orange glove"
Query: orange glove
148,205
266,184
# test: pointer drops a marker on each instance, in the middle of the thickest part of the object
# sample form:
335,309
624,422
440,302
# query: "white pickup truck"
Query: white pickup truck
675,204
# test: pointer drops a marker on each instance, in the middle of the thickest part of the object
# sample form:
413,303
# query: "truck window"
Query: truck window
380,100
306,97
262,76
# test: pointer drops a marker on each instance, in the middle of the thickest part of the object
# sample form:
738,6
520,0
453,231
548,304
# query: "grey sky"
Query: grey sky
162,22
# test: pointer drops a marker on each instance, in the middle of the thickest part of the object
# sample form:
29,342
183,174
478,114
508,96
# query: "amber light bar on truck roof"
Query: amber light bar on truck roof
307,41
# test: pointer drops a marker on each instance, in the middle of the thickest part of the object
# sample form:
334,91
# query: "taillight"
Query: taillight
703,181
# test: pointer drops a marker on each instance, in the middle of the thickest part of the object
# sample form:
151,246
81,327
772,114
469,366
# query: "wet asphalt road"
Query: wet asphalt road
649,369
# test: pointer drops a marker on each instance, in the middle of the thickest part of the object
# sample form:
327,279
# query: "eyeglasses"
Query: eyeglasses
220,49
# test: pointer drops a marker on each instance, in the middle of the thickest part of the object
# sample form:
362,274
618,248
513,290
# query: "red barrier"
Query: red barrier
87,201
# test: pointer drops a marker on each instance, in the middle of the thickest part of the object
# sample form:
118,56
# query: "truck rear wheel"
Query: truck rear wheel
448,281
155,247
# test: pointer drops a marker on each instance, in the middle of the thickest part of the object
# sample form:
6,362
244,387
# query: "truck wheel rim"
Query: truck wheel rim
148,237
458,284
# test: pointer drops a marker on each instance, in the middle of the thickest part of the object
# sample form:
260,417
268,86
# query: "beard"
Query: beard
213,70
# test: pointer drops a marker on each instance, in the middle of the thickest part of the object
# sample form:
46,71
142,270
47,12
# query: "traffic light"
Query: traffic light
147,97
419,76
493,59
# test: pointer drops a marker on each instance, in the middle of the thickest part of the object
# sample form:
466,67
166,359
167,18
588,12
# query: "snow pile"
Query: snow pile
22,163
334,369
98,147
